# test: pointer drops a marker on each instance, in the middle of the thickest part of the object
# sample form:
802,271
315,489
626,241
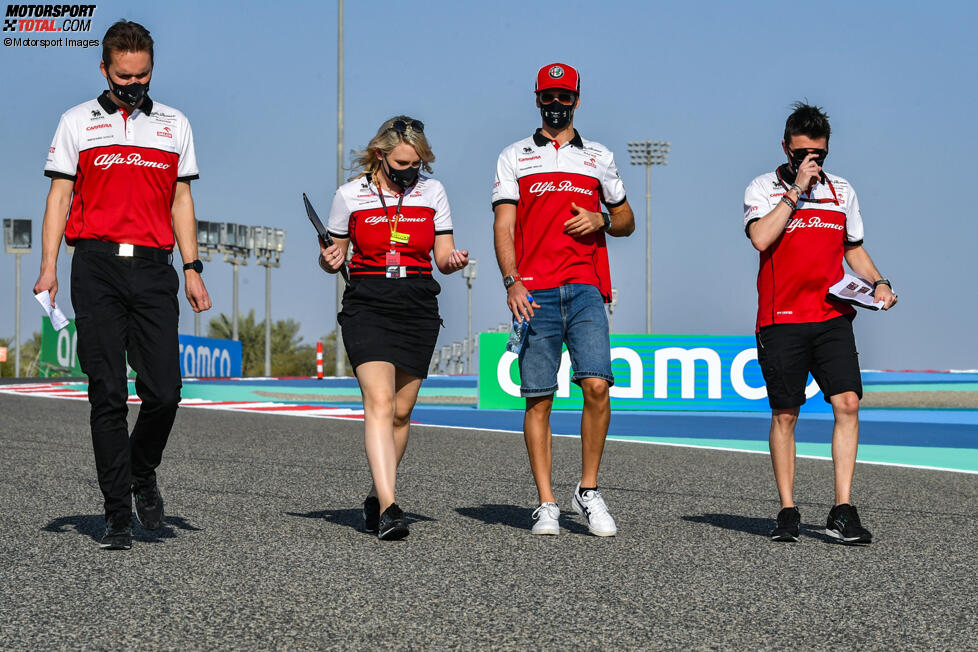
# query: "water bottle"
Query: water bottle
517,332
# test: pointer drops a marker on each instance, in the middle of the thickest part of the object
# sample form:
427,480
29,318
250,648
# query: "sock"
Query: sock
580,491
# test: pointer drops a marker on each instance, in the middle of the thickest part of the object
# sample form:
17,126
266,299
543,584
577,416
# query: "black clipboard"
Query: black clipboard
316,222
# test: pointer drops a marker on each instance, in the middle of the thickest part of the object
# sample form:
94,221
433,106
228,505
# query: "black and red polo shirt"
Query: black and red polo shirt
542,179
358,214
125,167
806,259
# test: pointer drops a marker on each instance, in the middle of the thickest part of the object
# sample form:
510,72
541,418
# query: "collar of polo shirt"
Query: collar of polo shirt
540,140
146,106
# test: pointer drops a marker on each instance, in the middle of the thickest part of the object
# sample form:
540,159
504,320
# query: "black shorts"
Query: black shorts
788,352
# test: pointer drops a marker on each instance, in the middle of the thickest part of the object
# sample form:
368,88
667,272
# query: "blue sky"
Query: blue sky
258,82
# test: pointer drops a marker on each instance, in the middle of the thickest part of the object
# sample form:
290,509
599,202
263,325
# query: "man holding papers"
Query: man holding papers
804,222
120,167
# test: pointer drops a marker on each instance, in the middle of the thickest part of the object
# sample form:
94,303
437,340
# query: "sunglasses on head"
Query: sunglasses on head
564,97
401,127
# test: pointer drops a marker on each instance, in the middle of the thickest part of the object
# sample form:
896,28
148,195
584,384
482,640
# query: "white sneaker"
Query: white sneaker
591,506
546,519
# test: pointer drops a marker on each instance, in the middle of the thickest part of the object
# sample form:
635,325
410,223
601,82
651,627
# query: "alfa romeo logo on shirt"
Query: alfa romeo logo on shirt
556,72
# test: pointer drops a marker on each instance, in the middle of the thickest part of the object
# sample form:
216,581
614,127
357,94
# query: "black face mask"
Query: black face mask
131,94
797,156
404,178
557,115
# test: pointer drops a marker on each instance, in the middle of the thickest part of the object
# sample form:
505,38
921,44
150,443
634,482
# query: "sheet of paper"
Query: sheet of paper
58,319
855,290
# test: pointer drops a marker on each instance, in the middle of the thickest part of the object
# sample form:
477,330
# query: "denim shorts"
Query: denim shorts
574,314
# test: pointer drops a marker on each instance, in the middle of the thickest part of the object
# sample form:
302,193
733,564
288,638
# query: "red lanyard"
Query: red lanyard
811,200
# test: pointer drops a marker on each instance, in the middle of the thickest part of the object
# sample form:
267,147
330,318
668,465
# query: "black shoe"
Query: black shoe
149,504
118,532
392,525
787,528
844,526
371,514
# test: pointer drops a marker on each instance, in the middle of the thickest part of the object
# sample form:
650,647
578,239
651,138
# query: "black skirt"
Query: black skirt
391,320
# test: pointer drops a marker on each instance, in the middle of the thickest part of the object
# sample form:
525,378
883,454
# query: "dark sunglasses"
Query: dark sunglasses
565,98
799,155
401,127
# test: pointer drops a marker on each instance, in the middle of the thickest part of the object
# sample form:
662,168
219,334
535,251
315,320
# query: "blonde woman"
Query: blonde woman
398,220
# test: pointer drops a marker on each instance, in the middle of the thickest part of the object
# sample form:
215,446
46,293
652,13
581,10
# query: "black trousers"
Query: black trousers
127,306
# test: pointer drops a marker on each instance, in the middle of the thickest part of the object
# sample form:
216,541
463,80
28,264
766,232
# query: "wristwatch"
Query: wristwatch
509,280
882,281
195,265
607,221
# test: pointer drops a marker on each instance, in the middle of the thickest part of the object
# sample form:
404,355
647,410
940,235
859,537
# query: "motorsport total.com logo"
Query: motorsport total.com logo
47,21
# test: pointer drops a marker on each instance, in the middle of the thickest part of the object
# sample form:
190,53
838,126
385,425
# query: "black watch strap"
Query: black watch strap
882,281
607,221
195,265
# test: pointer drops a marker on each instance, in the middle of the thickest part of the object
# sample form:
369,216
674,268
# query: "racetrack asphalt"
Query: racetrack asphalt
262,547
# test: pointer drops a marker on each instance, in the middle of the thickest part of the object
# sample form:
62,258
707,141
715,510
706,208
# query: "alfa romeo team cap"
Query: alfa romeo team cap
558,75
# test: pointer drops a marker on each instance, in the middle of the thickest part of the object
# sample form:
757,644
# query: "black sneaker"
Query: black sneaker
787,528
392,525
118,532
371,514
844,526
149,504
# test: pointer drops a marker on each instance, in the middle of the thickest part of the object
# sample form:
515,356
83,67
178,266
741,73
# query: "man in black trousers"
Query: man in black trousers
120,168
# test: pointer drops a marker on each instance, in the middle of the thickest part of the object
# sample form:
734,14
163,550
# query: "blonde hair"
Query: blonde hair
384,143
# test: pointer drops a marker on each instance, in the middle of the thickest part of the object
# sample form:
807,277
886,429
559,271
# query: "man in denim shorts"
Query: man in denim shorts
550,245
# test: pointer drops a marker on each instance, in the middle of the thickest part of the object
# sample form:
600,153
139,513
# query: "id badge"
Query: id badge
392,265
400,238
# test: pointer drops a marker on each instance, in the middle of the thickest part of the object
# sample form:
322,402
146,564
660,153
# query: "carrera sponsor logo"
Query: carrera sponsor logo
100,126
381,219
530,158
367,195
105,161
813,222
542,187
776,194
44,18
165,133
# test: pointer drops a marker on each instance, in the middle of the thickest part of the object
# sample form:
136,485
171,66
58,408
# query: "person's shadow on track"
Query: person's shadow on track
93,526
758,526
352,518
517,517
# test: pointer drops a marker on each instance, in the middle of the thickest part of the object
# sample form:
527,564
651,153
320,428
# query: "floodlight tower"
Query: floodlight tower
17,241
235,245
208,239
269,244
648,153
446,354
469,273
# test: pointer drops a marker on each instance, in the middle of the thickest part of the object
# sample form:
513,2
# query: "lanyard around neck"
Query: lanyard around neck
391,221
